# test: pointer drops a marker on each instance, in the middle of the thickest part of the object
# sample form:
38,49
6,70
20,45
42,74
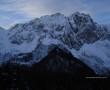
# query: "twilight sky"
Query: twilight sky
16,11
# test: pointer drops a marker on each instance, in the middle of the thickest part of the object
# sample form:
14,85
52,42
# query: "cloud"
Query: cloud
15,11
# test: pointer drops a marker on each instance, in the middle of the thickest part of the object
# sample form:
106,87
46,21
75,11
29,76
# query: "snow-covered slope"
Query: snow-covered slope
78,33
96,55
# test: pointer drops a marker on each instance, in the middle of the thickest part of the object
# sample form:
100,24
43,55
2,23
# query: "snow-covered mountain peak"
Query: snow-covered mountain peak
73,31
36,36
55,19
81,18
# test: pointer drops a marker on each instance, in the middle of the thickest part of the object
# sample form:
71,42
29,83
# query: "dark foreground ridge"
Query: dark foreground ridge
58,70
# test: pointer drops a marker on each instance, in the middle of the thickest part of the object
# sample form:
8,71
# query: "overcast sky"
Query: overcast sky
16,11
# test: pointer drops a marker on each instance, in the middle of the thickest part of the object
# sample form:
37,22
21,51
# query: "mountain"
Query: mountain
29,43
55,70
58,60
